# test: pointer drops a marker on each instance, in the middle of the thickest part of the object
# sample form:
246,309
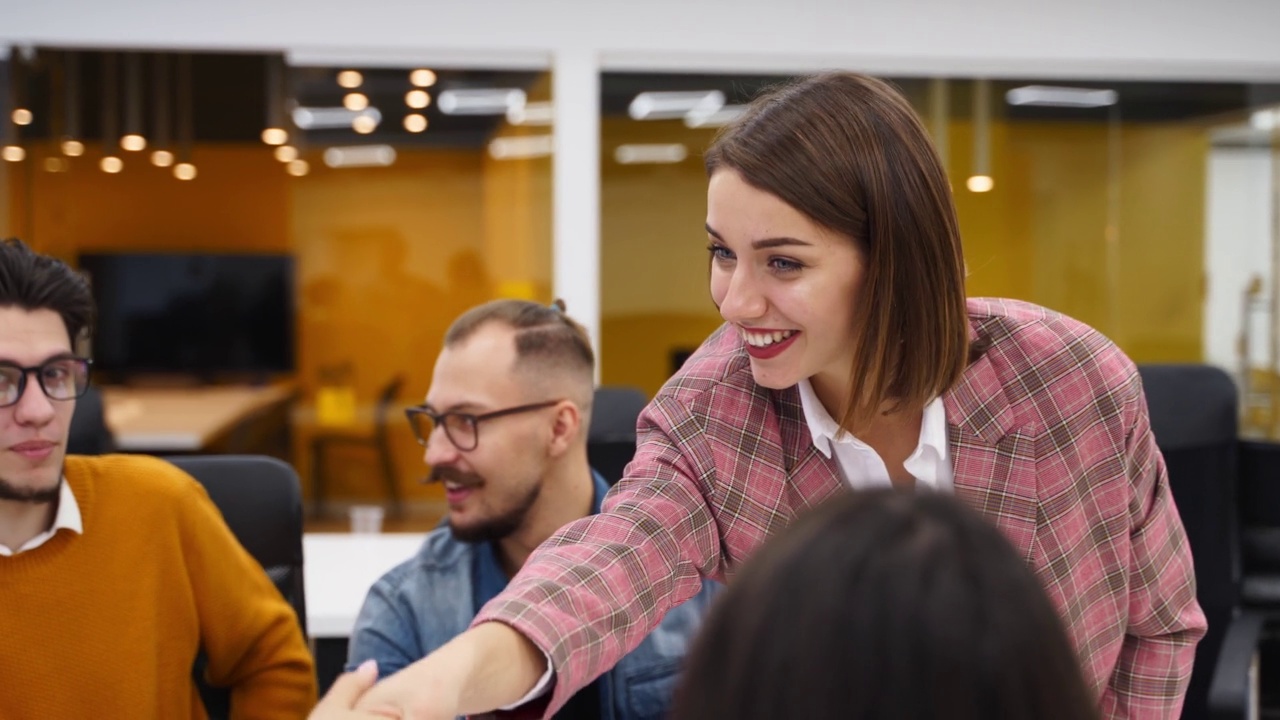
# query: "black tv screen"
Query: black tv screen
192,313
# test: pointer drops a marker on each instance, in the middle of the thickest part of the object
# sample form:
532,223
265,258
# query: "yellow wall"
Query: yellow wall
654,295
1040,235
386,257
239,201
517,213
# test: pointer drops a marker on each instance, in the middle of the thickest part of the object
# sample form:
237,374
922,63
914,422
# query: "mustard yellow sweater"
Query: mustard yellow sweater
108,624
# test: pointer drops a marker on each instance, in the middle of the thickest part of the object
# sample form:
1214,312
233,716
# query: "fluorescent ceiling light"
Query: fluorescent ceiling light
1265,119
494,101
360,156
650,154
534,113
520,147
1053,96
717,118
670,105
329,118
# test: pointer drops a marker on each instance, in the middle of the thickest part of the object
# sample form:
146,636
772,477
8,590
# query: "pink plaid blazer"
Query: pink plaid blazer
1050,440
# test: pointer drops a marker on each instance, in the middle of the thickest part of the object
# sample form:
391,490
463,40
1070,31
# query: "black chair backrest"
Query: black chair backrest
261,502
1193,412
611,437
89,434
1260,515
614,411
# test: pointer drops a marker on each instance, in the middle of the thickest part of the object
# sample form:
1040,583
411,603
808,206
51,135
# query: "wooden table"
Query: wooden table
186,419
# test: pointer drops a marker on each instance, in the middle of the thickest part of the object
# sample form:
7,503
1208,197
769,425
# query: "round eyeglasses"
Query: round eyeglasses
462,429
61,378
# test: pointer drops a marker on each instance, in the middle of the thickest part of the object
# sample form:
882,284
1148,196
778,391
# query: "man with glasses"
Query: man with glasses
115,571
504,426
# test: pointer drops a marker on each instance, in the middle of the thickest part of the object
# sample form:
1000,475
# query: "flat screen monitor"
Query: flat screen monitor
202,314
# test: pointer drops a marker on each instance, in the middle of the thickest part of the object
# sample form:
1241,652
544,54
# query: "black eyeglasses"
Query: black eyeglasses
462,429
61,378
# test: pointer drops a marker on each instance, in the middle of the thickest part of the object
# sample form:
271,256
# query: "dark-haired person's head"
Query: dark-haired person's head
505,418
885,604
835,249
45,310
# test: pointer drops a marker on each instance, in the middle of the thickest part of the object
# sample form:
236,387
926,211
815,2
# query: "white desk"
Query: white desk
338,570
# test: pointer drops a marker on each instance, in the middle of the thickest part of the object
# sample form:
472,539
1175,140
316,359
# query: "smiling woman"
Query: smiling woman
850,358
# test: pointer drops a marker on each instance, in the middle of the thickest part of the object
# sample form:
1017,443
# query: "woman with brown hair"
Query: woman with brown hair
850,358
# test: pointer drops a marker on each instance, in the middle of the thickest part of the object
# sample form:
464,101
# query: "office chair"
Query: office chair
1194,420
611,437
260,499
376,439
89,434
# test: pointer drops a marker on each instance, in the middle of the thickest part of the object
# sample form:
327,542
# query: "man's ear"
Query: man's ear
566,424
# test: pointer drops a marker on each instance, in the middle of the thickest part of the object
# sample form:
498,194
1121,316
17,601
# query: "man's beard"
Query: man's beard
35,496
489,529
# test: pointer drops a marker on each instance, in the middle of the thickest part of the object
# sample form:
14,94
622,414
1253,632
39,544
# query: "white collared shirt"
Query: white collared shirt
862,467
67,518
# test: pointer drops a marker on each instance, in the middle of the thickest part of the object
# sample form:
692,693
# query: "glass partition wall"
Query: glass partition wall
402,195
1092,197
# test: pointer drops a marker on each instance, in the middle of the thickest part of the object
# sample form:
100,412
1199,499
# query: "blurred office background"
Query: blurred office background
399,164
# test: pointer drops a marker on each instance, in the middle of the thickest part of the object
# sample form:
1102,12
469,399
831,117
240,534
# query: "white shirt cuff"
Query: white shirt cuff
538,690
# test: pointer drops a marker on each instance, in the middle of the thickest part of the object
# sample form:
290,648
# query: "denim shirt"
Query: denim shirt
426,601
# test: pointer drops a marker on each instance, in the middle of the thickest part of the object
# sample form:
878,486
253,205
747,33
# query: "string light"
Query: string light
415,123
355,101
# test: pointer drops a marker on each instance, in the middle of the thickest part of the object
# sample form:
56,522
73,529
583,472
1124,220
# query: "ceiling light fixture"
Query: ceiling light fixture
71,147
355,101
673,105
415,123
521,147
417,99
133,140
1054,96
330,118
360,156
650,154
1265,119
980,180
714,119
422,78
533,114
496,101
